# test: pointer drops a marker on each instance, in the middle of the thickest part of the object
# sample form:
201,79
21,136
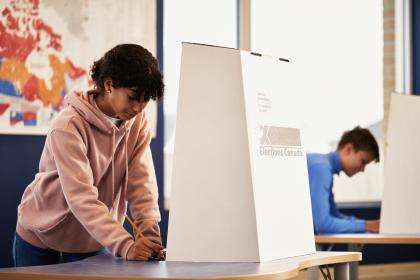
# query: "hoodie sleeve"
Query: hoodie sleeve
142,191
76,178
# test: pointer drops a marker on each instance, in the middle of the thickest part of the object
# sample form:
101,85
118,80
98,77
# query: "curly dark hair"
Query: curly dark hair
362,140
130,66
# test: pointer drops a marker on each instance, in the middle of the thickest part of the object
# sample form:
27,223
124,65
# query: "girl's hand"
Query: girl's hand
143,250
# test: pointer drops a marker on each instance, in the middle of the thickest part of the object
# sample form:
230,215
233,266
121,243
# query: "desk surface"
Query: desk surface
106,267
366,238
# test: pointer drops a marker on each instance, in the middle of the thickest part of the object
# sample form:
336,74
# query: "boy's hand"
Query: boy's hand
143,250
372,226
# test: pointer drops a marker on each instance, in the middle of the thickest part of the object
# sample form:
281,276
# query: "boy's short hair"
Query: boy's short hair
362,140
130,66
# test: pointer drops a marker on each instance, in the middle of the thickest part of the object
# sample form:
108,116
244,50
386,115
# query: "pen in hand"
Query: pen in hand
135,228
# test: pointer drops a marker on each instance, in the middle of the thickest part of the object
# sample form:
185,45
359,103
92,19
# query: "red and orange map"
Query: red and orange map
34,74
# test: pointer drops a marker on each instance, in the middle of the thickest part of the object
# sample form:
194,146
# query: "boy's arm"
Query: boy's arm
324,221
335,212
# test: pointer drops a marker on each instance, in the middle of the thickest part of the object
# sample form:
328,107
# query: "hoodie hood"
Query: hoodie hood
83,103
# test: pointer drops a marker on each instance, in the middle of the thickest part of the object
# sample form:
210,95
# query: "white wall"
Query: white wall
200,21
337,49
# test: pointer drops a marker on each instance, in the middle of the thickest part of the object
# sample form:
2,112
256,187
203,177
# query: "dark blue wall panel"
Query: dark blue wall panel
416,46
19,157
158,144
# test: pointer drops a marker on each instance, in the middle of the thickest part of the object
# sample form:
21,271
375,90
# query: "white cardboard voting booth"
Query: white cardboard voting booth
400,210
240,181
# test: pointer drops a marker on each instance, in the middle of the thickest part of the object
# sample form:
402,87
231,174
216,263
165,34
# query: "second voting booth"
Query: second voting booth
240,190
400,213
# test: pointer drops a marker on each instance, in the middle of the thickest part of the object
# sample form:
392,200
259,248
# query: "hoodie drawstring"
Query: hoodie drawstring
122,203
126,161
112,162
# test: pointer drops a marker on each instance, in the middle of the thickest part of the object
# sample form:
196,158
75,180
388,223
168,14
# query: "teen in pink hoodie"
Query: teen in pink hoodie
96,159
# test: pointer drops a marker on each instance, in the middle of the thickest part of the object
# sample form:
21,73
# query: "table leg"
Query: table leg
342,271
354,270
312,273
354,266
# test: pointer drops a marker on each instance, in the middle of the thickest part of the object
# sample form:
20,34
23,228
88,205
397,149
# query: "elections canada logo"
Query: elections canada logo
279,141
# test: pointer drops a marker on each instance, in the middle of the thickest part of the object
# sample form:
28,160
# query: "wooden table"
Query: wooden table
355,242
106,267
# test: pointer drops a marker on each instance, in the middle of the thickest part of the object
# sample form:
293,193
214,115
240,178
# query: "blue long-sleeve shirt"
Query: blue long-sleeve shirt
326,217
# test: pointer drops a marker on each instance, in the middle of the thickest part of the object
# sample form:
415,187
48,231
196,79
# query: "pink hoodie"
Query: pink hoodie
77,201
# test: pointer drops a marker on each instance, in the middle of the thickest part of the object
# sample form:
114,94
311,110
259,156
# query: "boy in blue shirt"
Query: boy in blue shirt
356,149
